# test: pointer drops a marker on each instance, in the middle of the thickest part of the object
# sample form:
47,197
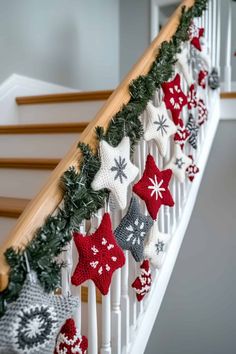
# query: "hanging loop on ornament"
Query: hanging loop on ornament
31,275
107,205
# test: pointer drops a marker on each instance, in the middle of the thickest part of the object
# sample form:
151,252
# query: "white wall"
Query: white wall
69,42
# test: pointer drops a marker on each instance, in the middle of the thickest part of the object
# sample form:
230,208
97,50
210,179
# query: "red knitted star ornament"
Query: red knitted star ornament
202,112
99,256
192,170
182,134
153,187
195,34
192,97
143,282
69,341
174,97
202,78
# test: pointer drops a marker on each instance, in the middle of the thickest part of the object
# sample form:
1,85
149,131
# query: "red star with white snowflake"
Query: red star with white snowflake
192,97
195,33
192,170
202,112
99,256
143,282
69,340
153,187
174,97
182,134
202,75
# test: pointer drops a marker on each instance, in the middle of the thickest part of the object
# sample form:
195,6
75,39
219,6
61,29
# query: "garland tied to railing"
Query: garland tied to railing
80,200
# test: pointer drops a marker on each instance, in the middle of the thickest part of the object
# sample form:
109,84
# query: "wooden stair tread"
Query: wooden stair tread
77,127
28,163
229,95
12,207
65,97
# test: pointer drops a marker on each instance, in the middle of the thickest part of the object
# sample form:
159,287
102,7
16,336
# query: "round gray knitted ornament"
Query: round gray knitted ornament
31,323
213,79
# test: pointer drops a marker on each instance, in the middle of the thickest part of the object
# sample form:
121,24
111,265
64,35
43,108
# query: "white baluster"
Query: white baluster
125,303
155,16
218,36
106,324
66,271
214,33
132,296
227,71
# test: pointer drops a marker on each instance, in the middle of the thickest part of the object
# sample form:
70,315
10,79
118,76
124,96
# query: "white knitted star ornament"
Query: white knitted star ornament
159,126
183,63
116,171
156,246
178,163
31,324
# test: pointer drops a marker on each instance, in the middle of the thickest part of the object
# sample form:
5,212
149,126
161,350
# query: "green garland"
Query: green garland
80,201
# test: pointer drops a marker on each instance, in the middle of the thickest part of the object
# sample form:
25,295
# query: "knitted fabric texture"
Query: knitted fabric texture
133,230
159,126
69,341
213,79
195,34
193,129
153,187
31,323
183,62
202,112
143,282
178,163
202,78
174,97
116,171
182,134
156,246
192,97
99,256
192,170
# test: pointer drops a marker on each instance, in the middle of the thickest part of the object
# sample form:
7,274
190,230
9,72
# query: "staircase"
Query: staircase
34,145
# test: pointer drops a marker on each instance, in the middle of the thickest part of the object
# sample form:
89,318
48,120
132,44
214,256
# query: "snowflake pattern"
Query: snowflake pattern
161,124
179,162
192,97
160,246
119,168
156,187
143,282
193,129
202,112
175,100
101,265
182,134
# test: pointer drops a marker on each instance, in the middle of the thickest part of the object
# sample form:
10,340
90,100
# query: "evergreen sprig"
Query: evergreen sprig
80,200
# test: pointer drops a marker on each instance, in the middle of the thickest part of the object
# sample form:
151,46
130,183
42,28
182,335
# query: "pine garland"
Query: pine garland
80,201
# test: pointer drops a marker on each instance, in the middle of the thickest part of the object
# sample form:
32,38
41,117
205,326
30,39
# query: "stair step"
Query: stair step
228,95
53,128
28,163
12,207
64,97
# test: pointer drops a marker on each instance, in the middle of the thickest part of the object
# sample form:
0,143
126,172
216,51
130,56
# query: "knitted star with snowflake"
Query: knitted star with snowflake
69,340
182,134
143,282
193,129
159,126
195,33
116,171
153,187
192,97
156,246
99,256
178,163
31,323
174,97
183,62
202,112
192,170
133,230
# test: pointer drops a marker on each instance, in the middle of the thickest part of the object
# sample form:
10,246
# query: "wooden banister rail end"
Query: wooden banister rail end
51,195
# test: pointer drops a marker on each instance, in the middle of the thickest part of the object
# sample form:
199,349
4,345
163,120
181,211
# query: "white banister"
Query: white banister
92,319
125,303
228,41
106,324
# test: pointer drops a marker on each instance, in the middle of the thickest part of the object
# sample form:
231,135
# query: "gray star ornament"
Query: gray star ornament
133,230
32,322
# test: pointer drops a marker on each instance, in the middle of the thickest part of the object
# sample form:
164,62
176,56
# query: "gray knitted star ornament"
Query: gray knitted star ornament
31,323
133,229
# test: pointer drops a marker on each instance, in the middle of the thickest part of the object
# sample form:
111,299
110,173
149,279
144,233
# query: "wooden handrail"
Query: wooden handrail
51,195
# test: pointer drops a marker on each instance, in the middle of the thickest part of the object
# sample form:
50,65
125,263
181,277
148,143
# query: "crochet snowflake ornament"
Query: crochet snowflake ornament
69,341
133,229
153,187
99,256
116,171
192,97
174,97
178,163
182,134
183,62
156,246
192,170
31,323
159,126
202,78
143,282
202,112
193,129
195,34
